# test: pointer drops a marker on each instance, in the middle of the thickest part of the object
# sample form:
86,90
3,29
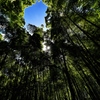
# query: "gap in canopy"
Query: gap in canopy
35,14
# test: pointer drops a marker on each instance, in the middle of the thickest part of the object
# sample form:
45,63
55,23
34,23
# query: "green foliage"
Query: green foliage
68,69
0,37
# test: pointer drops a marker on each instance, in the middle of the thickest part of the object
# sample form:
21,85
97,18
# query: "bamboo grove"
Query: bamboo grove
69,68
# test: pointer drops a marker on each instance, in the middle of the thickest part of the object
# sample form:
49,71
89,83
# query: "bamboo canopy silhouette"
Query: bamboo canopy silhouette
69,68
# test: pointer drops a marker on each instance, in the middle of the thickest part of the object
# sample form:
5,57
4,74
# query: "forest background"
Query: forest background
69,68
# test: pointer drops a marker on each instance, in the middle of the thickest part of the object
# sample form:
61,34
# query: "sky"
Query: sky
35,14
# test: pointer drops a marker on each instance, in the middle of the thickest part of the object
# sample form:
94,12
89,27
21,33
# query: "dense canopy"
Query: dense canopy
69,68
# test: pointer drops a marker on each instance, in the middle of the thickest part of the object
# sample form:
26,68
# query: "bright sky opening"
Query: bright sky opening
35,14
